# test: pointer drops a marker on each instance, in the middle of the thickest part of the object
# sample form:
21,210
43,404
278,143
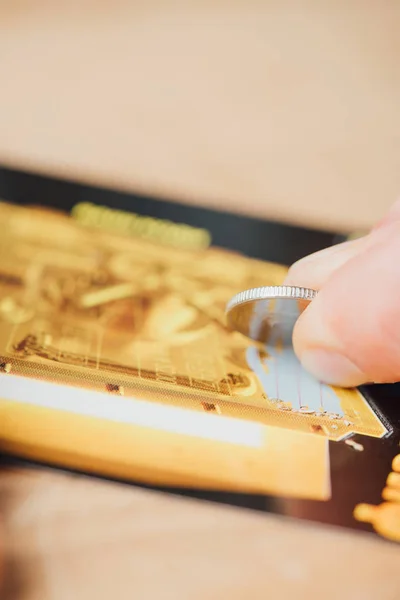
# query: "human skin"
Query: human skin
350,333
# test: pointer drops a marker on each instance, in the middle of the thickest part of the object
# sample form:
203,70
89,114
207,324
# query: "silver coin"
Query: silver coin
268,314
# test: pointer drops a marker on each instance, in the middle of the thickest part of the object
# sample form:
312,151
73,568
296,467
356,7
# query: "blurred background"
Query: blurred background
280,109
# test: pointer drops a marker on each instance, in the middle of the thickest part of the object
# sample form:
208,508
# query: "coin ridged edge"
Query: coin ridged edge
271,291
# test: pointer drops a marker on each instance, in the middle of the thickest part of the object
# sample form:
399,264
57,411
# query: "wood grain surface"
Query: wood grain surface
285,109
73,537
281,109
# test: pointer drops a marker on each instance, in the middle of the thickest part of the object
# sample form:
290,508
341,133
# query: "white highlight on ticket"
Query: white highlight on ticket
100,405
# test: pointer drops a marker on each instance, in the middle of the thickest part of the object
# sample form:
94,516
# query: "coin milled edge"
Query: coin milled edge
271,291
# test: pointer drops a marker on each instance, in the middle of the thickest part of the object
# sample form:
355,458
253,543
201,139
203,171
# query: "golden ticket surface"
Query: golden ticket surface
115,357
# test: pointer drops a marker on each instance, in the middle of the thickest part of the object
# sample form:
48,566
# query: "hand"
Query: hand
350,333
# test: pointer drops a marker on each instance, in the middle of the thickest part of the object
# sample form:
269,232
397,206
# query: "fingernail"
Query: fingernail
331,368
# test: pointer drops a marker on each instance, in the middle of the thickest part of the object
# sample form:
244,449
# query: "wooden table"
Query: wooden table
72,537
282,109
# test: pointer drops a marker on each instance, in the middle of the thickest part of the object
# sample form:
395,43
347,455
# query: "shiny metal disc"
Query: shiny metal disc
268,314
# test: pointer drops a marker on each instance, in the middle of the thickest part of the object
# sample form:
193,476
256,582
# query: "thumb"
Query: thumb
350,333
314,270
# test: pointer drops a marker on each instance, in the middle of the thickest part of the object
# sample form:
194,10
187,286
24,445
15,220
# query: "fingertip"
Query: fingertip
320,352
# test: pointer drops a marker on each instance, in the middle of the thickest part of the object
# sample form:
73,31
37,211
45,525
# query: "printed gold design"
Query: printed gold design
123,223
141,322
91,304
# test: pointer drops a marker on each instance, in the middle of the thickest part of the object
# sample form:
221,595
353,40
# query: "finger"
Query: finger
392,216
314,270
350,333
